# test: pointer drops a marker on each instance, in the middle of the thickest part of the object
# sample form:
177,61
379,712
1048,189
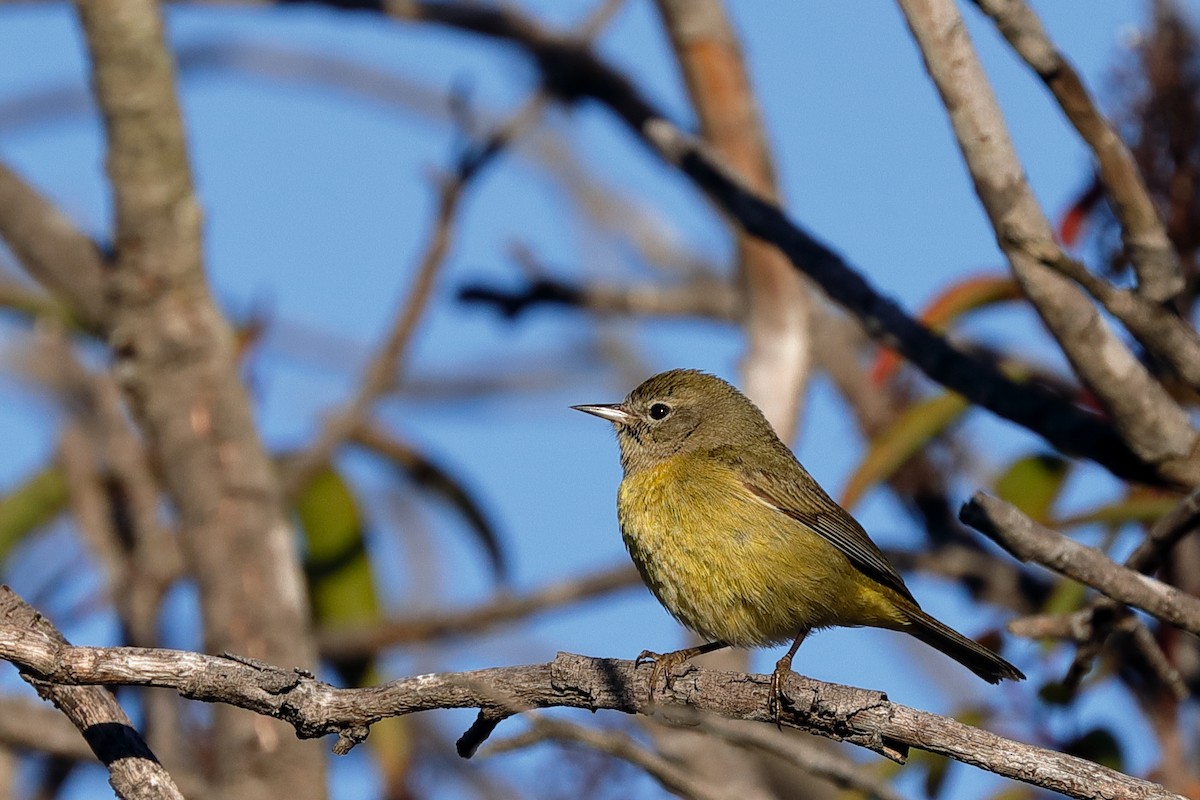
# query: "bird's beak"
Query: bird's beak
616,413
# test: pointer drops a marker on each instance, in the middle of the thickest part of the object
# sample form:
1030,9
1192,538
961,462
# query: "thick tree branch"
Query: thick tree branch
314,708
1029,541
1146,241
176,360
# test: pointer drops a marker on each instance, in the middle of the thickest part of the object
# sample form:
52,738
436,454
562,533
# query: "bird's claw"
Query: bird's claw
776,699
646,655
664,664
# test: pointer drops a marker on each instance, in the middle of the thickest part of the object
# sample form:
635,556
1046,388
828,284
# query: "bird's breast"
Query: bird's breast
721,561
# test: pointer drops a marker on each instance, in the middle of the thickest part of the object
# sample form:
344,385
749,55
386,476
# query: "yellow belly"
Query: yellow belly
733,569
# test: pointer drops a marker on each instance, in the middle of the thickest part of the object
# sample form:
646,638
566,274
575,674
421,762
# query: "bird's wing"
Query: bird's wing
810,506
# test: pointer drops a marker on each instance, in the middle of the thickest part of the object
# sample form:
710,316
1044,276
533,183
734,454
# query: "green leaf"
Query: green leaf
1033,483
1132,509
904,438
29,506
1068,596
341,584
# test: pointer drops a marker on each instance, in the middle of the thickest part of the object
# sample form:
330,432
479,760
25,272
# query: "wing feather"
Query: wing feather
829,520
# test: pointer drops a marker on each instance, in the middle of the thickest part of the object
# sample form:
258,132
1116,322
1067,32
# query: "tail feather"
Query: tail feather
972,655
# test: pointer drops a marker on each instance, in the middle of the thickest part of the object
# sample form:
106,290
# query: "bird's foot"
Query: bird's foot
777,698
664,665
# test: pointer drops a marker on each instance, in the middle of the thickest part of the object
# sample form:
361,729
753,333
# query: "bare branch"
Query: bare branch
114,492
831,766
1029,541
1163,332
1147,417
315,708
134,772
64,260
1180,521
706,298
573,72
386,363
1091,626
28,725
1146,241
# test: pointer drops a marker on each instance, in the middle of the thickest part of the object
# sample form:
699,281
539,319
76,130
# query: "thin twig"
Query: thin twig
387,363
704,298
831,766
1146,241
1029,541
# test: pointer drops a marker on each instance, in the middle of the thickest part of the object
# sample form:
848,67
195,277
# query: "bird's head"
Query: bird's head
681,411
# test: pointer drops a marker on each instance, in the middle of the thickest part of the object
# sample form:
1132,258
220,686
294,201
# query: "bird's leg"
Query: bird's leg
666,662
782,667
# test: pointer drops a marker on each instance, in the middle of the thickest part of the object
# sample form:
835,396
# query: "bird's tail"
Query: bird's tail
972,655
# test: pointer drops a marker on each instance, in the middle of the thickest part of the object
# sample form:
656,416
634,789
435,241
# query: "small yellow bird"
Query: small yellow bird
737,540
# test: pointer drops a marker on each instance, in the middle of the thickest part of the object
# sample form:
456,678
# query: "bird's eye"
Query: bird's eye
659,410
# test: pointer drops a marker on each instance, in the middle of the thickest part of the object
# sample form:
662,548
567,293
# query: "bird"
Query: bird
740,544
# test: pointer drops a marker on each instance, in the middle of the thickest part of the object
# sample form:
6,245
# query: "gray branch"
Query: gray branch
1029,541
314,708
133,771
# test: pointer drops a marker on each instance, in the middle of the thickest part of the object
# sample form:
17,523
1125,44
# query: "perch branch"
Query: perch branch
314,708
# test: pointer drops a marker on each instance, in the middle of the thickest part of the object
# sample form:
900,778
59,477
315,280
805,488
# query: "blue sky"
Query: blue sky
317,203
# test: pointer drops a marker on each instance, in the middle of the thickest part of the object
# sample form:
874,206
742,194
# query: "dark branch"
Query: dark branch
573,72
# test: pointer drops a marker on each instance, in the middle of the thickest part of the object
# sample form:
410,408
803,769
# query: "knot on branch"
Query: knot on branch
269,678
349,738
